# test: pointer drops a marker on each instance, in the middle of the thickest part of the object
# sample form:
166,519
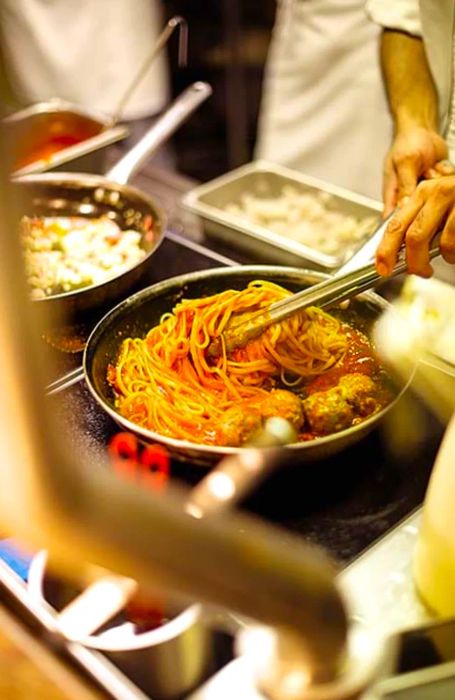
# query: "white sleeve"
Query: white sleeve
403,15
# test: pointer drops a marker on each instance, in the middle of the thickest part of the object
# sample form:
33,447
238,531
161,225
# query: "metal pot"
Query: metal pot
137,314
72,194
167,662
31,129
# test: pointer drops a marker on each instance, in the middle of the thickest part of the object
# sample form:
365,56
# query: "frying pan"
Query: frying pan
74,194
137,314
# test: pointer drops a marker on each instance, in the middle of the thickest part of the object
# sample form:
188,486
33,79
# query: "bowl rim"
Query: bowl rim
127,641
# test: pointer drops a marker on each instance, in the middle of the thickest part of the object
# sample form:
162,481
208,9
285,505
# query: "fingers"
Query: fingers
389,189
419,234
423,208
431,174
408,172
416,223
444,167
387,252
447,241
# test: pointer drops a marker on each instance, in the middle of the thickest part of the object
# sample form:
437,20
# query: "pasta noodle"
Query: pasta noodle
167,382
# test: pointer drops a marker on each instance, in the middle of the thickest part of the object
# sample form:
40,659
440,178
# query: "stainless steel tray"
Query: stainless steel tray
31,128
264,179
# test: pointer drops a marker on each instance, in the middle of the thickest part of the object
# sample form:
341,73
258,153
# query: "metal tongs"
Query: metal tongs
347,283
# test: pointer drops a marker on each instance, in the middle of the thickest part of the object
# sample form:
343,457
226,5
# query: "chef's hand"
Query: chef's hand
416,153
430,209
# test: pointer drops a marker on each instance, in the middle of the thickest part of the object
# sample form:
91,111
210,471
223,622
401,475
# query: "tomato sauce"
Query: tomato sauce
358,358
45,137
46,150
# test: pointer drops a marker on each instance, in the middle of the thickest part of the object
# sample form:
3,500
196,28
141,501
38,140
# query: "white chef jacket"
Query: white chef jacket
434,21
85,51
324,109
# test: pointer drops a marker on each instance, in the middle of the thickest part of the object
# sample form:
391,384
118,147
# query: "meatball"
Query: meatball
360,392
238,425
328,412
284,404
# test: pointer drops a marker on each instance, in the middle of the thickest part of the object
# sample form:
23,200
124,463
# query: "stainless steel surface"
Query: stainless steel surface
144,310
435,683
160,43
328,292
379,585
75,194
46,118
208,201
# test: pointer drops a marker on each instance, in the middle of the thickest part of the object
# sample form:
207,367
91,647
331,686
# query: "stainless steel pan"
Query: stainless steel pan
136,315
73,194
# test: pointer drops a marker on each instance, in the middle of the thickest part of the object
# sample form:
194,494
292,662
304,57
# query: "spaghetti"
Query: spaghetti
168,383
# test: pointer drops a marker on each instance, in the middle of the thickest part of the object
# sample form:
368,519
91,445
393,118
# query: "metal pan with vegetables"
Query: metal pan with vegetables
88,238
150,364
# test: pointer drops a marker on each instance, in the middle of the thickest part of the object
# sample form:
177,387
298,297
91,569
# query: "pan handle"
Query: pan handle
238,474
184,105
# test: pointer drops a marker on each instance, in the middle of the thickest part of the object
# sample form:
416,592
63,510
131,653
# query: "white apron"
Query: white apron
324,109
85,51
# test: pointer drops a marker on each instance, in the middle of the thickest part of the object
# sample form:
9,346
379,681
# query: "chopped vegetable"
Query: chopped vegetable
63,254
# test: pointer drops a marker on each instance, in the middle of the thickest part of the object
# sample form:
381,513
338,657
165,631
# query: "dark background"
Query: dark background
228,42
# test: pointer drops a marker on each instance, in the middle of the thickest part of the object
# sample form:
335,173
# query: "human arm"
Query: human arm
417,152
417,147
